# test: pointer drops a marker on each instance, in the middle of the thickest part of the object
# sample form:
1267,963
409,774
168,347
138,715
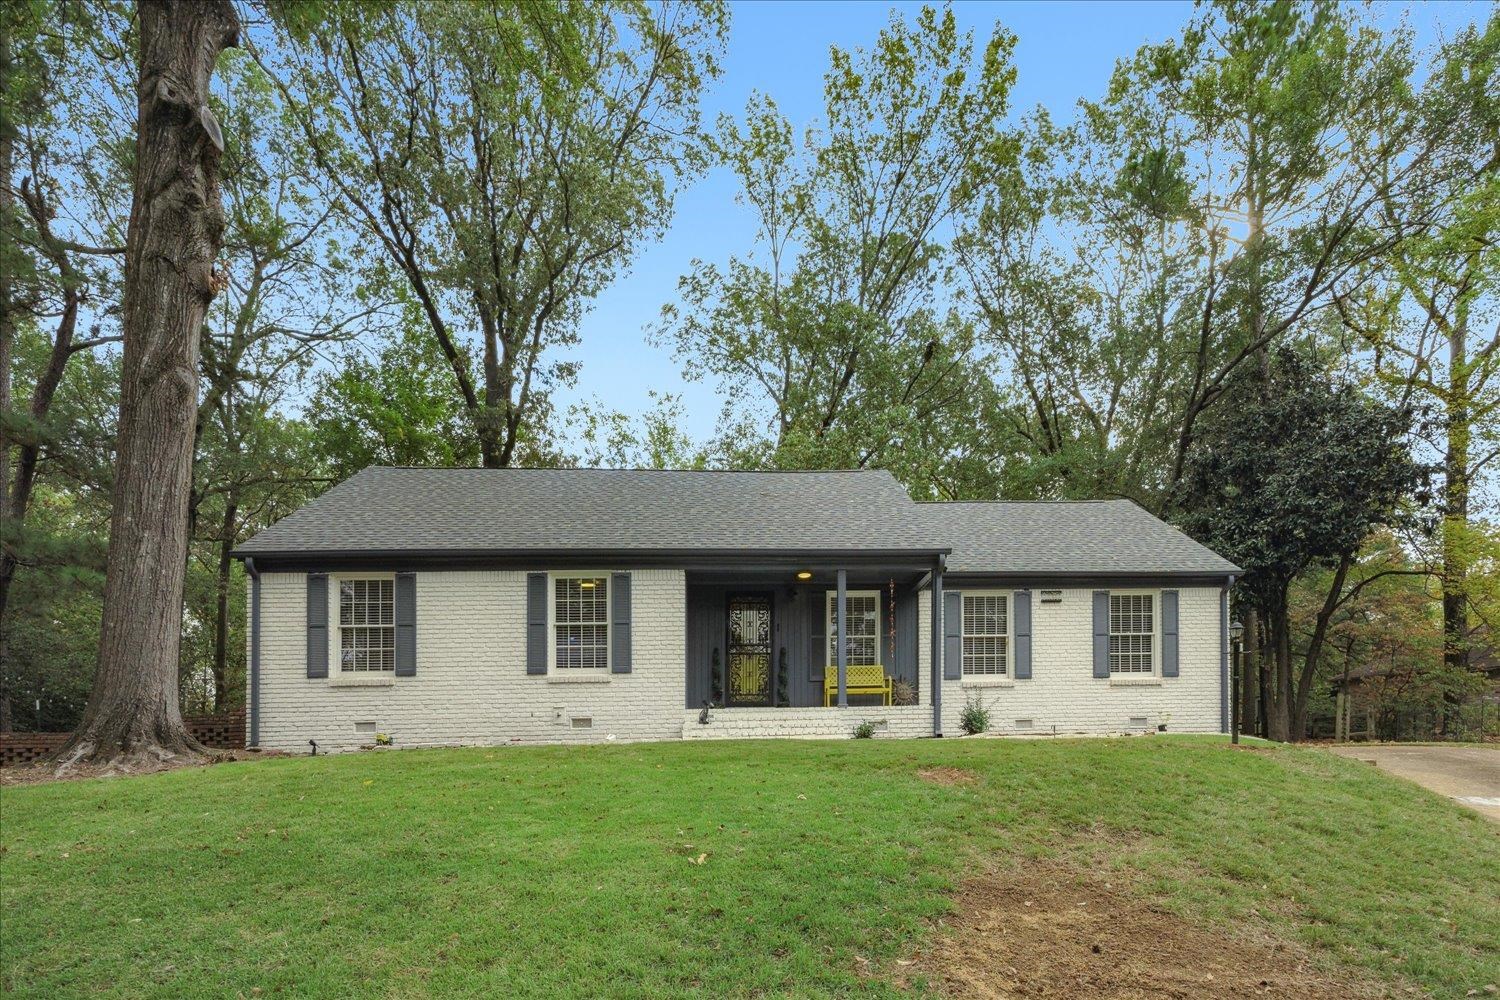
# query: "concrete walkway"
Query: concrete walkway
1469,775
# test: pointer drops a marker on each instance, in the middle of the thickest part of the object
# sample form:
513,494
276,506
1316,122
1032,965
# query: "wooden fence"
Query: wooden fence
226,732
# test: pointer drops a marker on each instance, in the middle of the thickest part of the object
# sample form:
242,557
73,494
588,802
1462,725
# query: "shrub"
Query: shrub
865,730
975,718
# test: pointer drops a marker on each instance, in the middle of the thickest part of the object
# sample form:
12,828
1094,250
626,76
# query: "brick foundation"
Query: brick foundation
224,732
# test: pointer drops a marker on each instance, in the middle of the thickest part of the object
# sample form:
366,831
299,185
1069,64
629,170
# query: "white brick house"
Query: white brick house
441,607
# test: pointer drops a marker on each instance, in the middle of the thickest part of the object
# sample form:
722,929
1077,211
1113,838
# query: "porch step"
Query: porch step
804,723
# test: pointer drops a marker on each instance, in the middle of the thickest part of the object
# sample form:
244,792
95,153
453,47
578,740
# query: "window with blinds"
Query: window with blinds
986,635
861,627
367,625
580,616
1132,631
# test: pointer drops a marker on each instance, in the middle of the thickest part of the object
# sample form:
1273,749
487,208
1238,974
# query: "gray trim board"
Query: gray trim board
253,737
878,560
936,590
1085,581
1224,693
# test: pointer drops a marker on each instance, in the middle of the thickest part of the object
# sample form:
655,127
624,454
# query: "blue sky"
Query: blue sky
1065,51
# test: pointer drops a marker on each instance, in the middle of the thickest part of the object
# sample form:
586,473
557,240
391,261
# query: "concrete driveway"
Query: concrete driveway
1468,775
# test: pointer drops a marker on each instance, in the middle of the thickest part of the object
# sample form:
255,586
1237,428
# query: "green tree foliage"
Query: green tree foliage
1431,313
832,341
397,407
507,161
1296,480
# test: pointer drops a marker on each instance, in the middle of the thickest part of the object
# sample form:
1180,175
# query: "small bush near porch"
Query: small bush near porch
722,869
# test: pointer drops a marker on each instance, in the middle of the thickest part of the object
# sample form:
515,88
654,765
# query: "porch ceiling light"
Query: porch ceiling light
804,575
586,584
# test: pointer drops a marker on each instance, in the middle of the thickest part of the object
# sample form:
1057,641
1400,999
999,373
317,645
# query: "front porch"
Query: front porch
763,649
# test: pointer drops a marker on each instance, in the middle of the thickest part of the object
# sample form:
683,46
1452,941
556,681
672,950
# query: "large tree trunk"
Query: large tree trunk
176,230
1456,502
1279,721
7,346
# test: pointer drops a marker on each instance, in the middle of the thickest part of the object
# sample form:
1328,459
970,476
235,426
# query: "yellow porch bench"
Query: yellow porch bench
862,679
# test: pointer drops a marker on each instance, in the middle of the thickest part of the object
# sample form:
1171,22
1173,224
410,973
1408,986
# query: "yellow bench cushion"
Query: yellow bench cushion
864,678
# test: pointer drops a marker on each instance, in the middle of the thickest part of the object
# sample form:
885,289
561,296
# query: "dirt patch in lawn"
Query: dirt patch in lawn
1051,930
947,776
41,772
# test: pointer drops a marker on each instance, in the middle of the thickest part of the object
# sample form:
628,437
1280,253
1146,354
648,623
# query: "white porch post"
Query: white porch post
841,632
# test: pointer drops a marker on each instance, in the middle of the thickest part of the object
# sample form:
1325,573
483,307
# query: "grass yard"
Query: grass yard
713,869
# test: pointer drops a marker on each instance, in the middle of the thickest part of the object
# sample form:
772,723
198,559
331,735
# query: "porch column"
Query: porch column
841,633
937,648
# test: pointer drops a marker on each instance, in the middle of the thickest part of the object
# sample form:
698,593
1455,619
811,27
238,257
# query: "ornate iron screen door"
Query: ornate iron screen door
749,651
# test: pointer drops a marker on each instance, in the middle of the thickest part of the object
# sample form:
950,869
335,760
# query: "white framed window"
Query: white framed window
1132,633
861,627
580,622
986,634
367,625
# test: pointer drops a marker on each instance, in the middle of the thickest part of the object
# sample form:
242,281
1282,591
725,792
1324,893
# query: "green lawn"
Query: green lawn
566,871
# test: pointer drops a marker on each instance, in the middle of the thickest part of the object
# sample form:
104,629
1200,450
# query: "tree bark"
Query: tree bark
1456,502
1279,721
176,230
7,346
1314,654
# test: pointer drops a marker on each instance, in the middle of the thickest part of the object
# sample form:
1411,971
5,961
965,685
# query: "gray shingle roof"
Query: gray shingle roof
631,510
1066,538
480,511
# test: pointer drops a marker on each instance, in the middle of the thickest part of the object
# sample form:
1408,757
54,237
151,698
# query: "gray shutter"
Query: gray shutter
1101,633
1169,633
619,623
1021,622
317,624
536,623
406,624
953,634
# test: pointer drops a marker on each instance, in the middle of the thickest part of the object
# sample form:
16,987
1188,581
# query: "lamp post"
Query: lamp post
1236,637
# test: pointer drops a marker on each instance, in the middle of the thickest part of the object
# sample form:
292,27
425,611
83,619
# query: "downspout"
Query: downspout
253,740
1224,693
937,647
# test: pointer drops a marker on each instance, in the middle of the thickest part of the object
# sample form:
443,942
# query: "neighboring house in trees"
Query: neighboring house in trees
484,606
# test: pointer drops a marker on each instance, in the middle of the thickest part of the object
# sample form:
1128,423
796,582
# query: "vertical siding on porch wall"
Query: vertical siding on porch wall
470,684
798,611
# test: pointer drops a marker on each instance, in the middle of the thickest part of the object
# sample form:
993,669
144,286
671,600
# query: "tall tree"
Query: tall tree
1219,198
1432,318
507,160
176,229
833,340
64,193
1296,480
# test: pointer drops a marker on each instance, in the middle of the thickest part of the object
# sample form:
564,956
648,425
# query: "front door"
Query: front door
749,680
